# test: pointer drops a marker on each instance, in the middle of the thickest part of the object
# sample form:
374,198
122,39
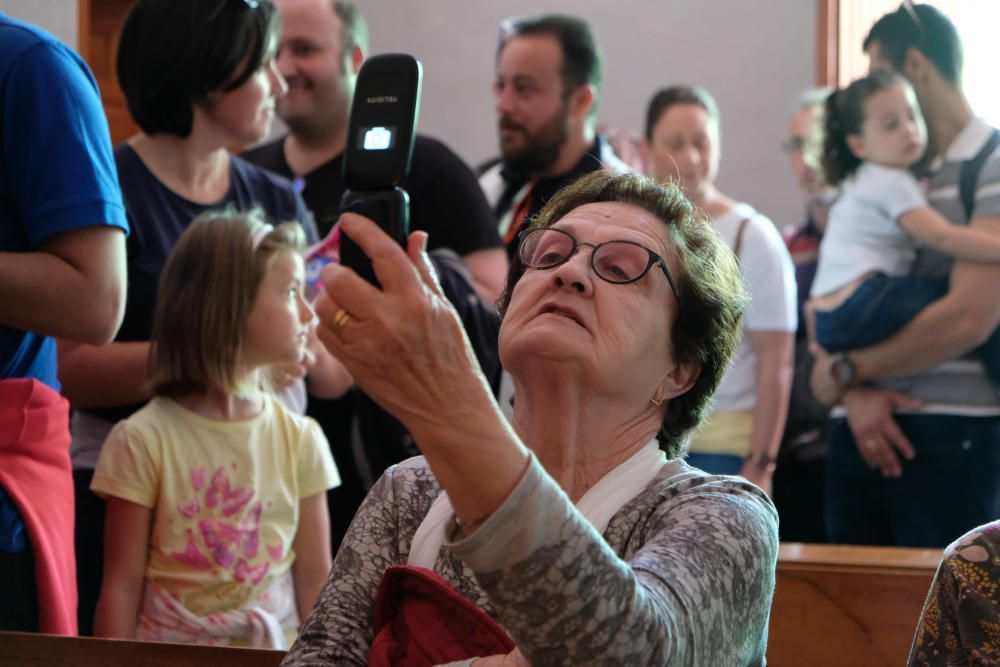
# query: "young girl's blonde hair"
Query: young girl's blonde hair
207,290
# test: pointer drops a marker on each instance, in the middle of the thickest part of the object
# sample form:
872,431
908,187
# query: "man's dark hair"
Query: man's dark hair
174,53
354,28
581,60
920,27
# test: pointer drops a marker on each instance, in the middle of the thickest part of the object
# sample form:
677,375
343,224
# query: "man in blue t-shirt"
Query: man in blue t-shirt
62,274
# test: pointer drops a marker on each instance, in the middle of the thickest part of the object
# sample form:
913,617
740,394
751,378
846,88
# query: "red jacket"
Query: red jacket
35,471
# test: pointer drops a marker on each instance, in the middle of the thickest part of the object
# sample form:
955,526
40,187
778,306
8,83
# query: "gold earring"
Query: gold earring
656,402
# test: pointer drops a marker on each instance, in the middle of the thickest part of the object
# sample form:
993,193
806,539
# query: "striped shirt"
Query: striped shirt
959,387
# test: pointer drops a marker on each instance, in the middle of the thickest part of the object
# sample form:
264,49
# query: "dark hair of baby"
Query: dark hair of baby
844,114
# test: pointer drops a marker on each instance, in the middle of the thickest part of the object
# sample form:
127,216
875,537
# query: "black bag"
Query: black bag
968,177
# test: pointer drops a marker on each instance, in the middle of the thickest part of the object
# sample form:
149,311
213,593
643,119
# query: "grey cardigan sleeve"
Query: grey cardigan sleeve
696,592
339,631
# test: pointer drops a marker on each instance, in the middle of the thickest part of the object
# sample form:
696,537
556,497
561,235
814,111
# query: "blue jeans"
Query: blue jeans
716,464
951,486
881,306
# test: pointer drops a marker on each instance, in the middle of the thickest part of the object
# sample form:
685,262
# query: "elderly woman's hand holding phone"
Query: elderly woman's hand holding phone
577,527
406,348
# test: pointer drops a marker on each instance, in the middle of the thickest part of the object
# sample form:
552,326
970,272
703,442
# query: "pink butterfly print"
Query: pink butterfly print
198,478
232,500
254,573
192,556
250,531
275,552
190,509
220,538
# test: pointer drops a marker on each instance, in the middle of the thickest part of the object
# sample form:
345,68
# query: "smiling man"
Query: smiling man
323,44
548,79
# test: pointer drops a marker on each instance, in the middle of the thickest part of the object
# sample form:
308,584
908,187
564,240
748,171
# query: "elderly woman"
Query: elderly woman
743,431
579,529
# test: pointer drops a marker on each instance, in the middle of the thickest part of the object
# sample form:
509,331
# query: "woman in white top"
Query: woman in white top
744,429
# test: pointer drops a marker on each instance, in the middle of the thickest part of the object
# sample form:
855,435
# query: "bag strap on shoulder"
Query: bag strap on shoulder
739,237
968,177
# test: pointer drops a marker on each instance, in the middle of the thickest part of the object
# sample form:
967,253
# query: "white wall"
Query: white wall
755,57
57,16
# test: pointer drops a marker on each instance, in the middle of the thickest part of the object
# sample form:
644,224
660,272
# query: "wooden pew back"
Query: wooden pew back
833,605
847,605
39,650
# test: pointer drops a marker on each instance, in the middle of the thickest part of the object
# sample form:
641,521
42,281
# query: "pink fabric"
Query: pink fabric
421,621
163,618
35,471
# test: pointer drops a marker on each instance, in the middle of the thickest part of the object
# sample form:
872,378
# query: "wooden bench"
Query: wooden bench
31,650
847,605
833,605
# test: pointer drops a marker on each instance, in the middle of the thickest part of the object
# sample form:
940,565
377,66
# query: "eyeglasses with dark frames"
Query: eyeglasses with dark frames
619,262
911,11
508,28
249,4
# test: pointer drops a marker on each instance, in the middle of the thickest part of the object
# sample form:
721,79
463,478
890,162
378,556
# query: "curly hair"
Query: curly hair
843,115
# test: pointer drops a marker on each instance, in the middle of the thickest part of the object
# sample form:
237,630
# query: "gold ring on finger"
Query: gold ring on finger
340,318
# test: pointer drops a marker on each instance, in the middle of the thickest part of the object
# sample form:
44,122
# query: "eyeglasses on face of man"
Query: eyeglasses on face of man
618,262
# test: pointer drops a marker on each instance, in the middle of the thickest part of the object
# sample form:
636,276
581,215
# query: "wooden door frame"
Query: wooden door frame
83,28
827,42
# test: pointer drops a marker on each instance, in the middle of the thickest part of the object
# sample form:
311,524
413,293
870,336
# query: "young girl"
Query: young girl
863,292
217,525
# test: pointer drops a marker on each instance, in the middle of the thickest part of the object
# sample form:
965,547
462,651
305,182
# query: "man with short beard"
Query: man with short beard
548,77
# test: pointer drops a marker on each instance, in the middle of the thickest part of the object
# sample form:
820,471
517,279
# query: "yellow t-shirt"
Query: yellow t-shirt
225,495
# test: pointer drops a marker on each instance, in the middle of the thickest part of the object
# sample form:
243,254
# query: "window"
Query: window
844,24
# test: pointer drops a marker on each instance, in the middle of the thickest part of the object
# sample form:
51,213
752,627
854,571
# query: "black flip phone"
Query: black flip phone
379,146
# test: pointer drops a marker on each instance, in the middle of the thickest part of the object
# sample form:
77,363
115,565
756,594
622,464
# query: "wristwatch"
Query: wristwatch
763,461
842,369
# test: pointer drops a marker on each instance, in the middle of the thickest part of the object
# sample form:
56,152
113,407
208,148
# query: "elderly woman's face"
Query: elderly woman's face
684,146
615,336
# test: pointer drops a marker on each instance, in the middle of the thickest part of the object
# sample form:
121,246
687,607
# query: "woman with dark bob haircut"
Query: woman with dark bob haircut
574,535
199,78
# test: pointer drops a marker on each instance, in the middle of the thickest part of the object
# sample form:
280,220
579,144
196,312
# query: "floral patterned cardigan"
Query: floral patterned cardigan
960,623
